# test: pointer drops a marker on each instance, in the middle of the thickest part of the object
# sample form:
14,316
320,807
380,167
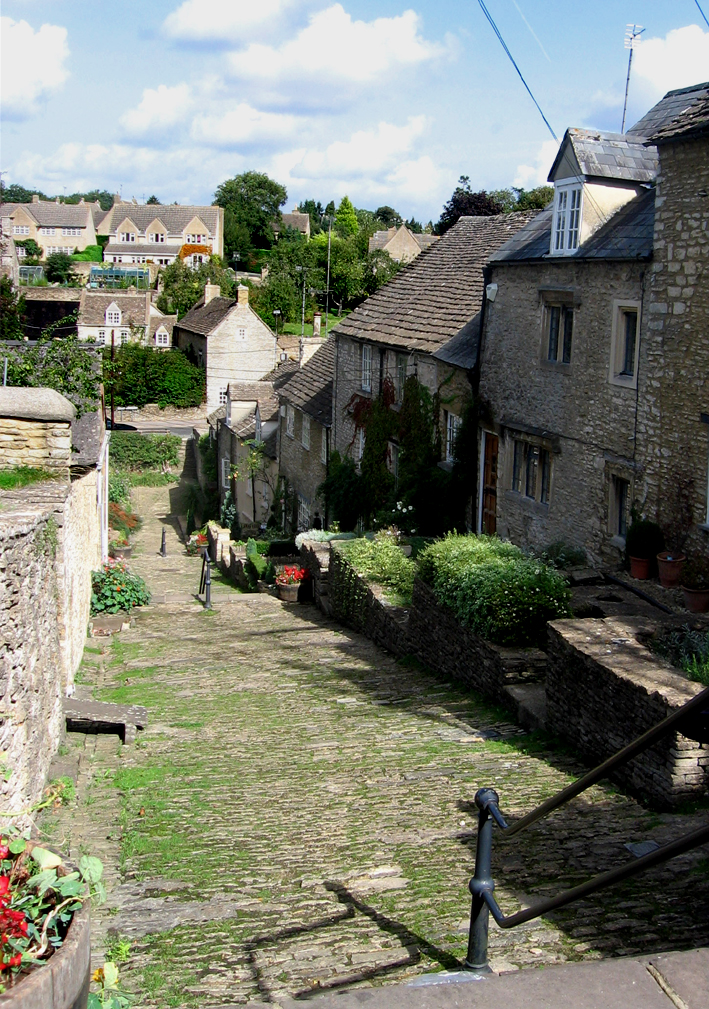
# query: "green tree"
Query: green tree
138,375
379,268
415,226
58,268
389,217
100,196
514,198
16,193
315,211
465,203
253,202
346,221
153,201
12,311
184,286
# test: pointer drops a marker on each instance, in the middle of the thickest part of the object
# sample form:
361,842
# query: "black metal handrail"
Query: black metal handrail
205,581
692,717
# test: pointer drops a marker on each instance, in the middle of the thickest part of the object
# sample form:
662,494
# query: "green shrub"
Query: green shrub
229,517
131,450
91,254
151,478
494,589
381,561
115,588
139,375
208,450
644,539
688,650
562,555
119,486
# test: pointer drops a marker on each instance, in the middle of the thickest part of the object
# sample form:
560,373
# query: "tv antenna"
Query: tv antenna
632,41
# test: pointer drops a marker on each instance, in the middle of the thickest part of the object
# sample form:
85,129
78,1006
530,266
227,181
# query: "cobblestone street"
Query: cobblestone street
296,816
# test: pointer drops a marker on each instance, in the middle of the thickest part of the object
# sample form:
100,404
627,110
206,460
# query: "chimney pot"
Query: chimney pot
35,197
242,294
211,291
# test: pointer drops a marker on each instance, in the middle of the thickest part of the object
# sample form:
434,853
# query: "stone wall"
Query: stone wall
604,688
31,671
316,558
303,467
365,608
40,444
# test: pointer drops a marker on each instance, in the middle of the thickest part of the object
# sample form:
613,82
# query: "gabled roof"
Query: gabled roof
92,311
691,123
668,109
174,217
203,318
608,156
433,298
282,373
310,389
297,221
628,234
167,322
49,214
380,239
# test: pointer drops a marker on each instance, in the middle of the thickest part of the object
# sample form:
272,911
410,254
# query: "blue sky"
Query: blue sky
385,101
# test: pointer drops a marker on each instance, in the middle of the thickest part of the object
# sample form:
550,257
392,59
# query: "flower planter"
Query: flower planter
670,568
696,600
121,552
289,593
63,982
640,567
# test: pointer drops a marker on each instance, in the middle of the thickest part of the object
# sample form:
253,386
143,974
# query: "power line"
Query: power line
496,30
701,12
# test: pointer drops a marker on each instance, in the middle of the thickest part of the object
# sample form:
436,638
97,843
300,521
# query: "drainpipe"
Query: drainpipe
474,379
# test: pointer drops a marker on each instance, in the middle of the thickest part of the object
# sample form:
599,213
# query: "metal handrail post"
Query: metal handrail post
163,545
481,883
208,584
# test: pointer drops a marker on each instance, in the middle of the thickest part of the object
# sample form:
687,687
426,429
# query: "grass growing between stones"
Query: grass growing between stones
23,476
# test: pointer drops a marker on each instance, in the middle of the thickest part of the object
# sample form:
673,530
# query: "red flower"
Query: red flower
4,851
4,885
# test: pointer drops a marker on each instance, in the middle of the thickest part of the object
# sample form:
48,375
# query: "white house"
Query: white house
143,232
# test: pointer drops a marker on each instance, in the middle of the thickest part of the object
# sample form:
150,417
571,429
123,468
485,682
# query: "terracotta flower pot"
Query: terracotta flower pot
289,593
670,567
696,600
121,552
640,567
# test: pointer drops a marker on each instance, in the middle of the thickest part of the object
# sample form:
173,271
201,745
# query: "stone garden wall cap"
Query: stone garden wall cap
35,404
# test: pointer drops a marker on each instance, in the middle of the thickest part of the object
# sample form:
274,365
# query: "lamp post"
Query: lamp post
302,270
236,257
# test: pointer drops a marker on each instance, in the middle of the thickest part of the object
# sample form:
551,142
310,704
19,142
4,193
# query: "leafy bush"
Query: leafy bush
121,519
229,516
494,589
140,375
115,588
118,487
208,451
258,567
131,450
381,561
151,478
688,650
562,555
91,254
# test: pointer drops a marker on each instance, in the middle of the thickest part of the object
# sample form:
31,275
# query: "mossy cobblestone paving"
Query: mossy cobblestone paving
296,817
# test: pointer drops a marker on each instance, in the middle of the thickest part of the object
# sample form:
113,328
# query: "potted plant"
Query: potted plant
680,519
197,543
643,542
288,583
669,566
695,584
121,548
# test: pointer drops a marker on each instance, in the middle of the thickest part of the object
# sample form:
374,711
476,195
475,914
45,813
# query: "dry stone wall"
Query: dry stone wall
365,608
35,443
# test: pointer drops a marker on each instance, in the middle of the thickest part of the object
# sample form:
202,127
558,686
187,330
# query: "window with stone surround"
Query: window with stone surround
531,471
305,431
303,513
559,333
625,344
452,429
366,363
290,421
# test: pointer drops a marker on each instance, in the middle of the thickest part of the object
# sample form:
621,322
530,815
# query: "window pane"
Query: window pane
560,220
574,217
545,463
401,377
568,330
517,466
530,489
630,320
554,321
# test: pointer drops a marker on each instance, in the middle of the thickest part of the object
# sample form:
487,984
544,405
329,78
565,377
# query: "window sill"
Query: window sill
558,366
623,383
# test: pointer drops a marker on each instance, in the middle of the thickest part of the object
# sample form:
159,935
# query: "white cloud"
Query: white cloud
531,176
241,125
678,60
33,65
334,47
366,152
220,20
160,108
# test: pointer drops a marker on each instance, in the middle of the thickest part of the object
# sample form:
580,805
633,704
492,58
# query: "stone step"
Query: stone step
529,701
101,716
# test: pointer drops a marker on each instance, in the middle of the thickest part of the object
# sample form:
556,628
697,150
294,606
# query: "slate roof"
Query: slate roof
310,389
609,155
203,318
174,217
691,123
462,350
668,109
282,373
49,214
141,249
433,298
168,322
134,308
627,234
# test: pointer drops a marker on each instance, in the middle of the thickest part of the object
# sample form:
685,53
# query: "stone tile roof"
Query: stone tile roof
668,109
203,318
134,307
49,214
175,218
462,350
141,249
282,373
433,298
609,156
691,123
380,239
627,234
52,294
168,322
310,390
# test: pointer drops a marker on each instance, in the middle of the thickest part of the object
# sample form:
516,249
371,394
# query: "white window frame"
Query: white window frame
290,420
622,308
20,229
71,231
127,236
305,431
47,231
124,335
366,367
162,338
360,444
21,252
222,395
113,317
156,237
323,446
453,423
566,220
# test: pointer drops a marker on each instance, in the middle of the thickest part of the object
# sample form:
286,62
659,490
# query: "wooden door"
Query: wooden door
489,488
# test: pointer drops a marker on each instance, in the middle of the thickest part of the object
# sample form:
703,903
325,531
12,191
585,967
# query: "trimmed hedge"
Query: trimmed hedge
494,589
130,450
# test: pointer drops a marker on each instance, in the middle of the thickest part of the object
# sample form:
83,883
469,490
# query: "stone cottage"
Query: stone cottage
396,333
400,243
568,384
304,429
228,339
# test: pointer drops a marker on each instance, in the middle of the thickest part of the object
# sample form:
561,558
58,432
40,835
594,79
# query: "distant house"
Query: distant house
401,244
143,232
296,221
128,316
54,226
304,427
228,339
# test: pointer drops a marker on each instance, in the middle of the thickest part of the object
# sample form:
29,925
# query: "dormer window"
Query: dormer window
113,315
567,219
127,236
156,237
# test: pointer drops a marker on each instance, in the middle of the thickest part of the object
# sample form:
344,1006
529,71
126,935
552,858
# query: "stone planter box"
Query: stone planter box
121,553
63,982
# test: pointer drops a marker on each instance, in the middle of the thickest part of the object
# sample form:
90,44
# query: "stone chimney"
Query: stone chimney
317,322
35,197
242,294
116,198
211,291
